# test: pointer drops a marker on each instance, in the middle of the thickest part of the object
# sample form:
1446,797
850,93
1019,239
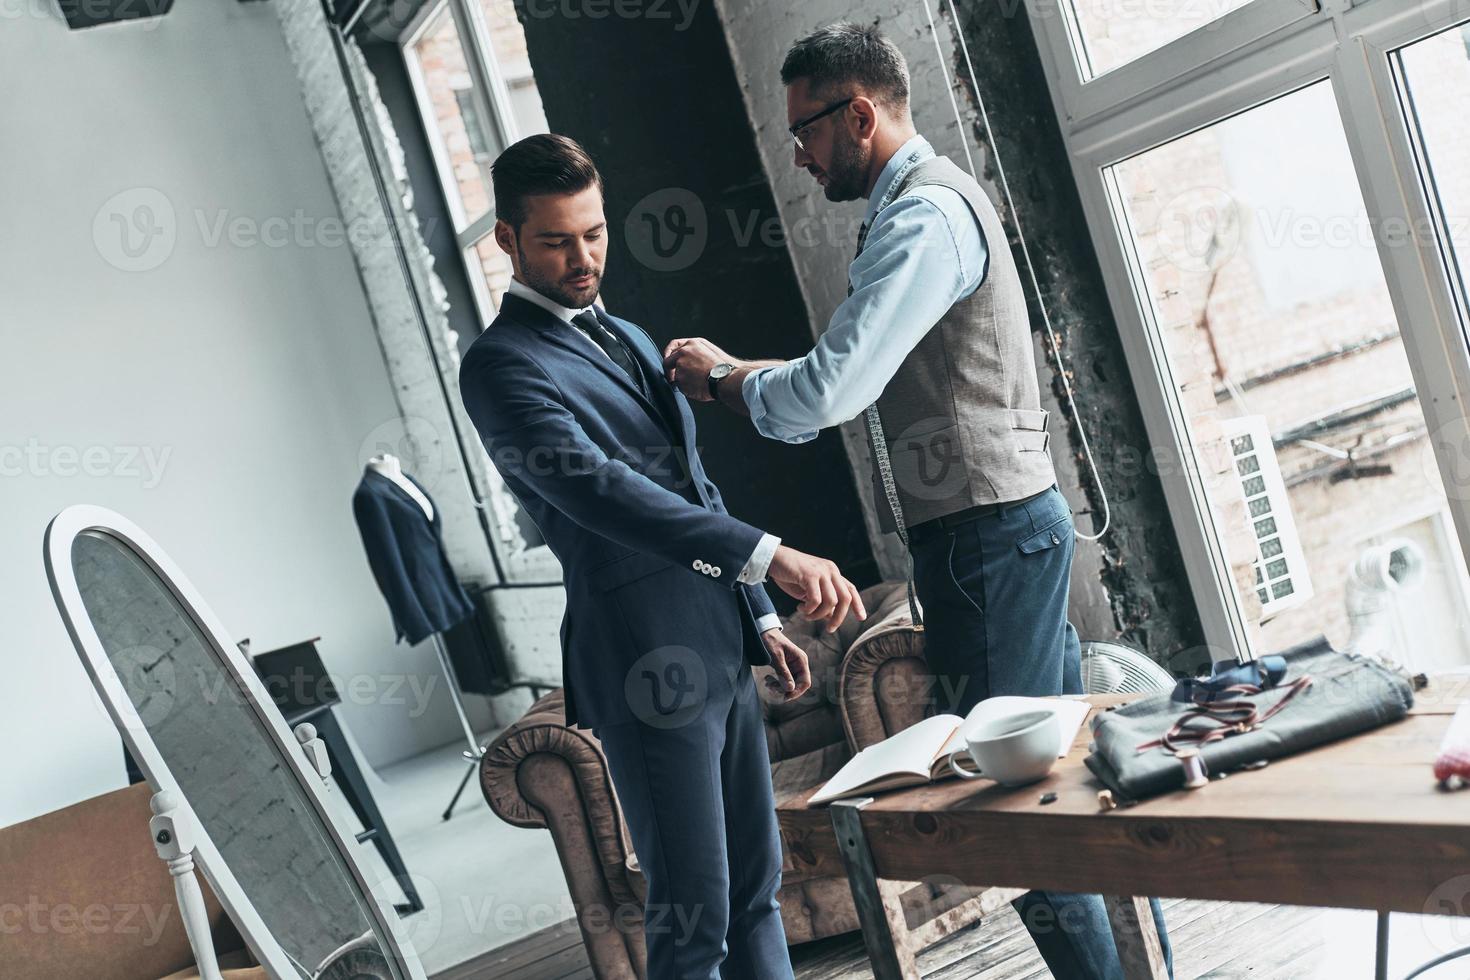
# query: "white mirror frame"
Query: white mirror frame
60,533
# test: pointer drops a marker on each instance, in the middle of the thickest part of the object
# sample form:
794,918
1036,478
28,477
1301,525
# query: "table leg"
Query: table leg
1137,938
884,930
354,787
1380,951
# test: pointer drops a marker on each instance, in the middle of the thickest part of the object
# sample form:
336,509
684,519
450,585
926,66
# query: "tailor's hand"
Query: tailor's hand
791,674
823,592
687,363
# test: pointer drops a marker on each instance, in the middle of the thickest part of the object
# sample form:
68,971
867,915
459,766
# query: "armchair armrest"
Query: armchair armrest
541,773
884,684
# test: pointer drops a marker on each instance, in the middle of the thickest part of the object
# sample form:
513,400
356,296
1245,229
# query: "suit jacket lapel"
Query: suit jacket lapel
653,371
563,334
666,413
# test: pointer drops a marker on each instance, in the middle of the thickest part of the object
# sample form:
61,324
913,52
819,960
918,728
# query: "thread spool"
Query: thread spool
1195,775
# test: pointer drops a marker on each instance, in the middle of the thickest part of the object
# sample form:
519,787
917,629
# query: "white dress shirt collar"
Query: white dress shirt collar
565,314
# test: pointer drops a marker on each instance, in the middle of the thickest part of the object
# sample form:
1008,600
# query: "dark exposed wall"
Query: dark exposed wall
655,101
1142,568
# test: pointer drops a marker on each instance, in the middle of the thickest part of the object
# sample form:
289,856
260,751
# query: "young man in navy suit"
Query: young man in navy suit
665,609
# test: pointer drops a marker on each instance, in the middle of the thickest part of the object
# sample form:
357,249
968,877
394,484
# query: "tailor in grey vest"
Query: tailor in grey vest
963,417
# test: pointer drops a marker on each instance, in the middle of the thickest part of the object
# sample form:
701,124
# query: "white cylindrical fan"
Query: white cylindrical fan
1112,668
1379,576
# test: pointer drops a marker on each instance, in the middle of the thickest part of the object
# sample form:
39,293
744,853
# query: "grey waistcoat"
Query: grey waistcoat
963,417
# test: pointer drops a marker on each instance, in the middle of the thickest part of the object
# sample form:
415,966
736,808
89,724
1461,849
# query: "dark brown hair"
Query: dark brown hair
835,58
542,164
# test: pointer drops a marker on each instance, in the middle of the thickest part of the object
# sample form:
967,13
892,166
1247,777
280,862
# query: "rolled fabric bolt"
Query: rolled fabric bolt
1194,769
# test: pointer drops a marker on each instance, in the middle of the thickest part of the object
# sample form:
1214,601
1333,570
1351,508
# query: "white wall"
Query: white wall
250,372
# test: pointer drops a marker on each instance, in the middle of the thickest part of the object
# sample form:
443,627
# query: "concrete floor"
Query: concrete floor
484,883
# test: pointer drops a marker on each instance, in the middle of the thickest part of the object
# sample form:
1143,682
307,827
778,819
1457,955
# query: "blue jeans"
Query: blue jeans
994,595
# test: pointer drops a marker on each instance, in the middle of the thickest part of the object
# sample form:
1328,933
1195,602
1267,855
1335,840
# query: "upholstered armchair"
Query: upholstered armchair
869,680
96,858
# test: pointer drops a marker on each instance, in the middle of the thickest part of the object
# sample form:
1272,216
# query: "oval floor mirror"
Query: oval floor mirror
215,748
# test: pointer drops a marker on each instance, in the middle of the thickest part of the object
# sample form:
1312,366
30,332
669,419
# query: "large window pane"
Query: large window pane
508,46
467,141
1259,269
1436,78
1115,32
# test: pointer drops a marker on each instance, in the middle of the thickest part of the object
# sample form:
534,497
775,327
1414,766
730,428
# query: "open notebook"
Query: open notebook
920,753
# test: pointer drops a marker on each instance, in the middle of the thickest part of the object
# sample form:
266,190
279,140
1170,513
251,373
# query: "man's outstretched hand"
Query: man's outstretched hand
687,363
823,592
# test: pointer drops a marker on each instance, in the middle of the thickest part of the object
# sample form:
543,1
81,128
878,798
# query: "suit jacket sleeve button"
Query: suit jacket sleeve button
715,571
698,564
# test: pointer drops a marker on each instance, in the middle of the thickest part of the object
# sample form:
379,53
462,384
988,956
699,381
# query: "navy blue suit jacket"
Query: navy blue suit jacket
614,482
406,553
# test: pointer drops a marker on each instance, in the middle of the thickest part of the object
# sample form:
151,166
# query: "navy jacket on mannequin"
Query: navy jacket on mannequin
406,552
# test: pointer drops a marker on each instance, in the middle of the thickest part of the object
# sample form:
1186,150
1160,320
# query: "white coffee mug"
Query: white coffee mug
1014,750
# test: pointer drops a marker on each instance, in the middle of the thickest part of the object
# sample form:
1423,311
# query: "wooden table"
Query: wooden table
1358,823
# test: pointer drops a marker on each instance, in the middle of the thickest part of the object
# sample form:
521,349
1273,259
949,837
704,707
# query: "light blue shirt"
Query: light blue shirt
924,253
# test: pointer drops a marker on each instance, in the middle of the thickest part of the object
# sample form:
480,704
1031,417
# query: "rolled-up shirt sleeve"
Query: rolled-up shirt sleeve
923,254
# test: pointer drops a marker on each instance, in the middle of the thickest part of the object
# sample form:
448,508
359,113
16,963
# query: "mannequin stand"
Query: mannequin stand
476,751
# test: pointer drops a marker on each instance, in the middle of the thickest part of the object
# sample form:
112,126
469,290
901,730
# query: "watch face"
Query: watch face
720,370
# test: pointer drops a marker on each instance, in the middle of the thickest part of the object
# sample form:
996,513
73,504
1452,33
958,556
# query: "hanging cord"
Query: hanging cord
1005,188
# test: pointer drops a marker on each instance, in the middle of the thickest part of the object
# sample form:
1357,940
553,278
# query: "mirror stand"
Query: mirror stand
316,751
173,832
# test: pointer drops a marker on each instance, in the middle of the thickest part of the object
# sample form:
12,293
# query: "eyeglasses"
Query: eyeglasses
802,124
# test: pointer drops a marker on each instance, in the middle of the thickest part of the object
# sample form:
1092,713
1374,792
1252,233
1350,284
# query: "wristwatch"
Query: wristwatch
715,374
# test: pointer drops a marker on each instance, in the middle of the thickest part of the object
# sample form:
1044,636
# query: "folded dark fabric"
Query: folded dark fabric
1348,694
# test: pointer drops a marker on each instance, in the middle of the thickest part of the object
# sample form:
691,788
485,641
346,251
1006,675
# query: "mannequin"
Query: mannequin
386,464
403,538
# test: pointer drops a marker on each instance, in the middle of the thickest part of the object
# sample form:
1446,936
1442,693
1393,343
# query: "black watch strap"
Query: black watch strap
713,382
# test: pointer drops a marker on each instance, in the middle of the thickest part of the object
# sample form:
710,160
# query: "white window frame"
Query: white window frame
535,564
1260,51
492,98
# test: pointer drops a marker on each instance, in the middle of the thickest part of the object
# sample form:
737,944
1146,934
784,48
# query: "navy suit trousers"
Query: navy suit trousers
696,794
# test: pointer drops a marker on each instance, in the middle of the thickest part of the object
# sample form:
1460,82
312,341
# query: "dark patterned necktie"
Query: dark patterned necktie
604,338
862,240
